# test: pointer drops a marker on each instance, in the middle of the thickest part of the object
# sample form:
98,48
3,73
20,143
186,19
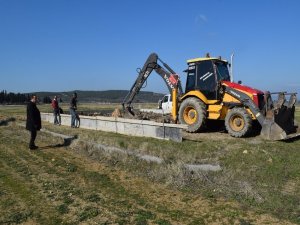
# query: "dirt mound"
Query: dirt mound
118,113
149,116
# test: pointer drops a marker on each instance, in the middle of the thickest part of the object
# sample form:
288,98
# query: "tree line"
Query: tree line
18,98
12,98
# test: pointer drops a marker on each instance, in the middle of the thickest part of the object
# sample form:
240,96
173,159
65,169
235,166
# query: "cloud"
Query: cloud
201,18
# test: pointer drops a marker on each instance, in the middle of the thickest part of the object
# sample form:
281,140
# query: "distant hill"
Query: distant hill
111,96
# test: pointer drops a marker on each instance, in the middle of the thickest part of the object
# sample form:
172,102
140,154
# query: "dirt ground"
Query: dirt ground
214,129
56,185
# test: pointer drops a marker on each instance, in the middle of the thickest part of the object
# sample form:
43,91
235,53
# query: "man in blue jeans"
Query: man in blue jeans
73,108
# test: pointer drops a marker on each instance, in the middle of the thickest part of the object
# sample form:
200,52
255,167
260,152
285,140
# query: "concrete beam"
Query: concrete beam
133,127
149,158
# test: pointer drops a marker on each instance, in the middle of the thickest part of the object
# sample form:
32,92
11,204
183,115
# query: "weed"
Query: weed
162,222
141,216
63,209
176,214
8,203
198,221
122,221
122,144
244,222
95,177
19,217
124,214
71,168
67,200
93,198
87,213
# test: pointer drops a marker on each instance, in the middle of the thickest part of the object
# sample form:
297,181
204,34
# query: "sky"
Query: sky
65,45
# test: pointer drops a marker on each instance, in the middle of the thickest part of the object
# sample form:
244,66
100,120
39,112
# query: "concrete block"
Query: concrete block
88,123
142,128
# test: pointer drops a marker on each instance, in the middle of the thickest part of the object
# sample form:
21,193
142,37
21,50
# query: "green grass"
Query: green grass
257,177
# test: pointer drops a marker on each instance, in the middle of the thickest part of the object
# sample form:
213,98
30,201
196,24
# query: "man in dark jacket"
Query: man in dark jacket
73,108
33,122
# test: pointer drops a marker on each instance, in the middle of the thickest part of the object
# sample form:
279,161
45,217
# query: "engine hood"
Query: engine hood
244,88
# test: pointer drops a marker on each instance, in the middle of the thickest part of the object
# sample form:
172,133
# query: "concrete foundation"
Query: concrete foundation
144,128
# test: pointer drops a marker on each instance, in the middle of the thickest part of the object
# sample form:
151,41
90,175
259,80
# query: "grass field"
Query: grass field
77,184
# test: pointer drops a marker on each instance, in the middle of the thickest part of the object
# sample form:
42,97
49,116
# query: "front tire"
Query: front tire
193,112
238,122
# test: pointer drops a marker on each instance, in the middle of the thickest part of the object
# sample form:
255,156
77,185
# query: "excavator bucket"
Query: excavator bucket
128,110
279,123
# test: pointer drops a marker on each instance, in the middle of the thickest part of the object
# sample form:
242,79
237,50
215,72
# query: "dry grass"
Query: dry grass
79,184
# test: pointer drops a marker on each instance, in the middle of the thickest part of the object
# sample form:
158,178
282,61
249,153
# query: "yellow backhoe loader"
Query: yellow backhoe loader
211,94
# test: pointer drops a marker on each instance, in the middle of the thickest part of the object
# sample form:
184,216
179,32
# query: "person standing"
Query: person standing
33,121
56,111
73,108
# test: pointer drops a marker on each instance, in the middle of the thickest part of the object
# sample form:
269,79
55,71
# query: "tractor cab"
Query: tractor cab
204,74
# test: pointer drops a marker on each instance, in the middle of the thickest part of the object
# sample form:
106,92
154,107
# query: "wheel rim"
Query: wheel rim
237,123
190,115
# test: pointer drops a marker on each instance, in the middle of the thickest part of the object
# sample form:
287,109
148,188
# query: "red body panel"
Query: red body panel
247,89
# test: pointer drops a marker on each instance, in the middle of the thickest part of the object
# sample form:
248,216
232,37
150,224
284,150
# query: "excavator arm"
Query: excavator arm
169,76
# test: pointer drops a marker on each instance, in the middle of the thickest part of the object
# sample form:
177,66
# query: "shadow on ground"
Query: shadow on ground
67,142
5,122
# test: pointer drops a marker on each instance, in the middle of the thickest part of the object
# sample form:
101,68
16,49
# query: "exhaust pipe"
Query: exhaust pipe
231,67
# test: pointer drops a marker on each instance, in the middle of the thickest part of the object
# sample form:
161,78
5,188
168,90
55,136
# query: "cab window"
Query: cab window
222,71
191,78
165,99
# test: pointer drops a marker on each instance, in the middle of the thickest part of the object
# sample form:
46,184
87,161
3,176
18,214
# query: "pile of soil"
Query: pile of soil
136,115
148,116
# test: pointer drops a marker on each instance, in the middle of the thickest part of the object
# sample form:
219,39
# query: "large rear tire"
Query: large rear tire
193,112
238,122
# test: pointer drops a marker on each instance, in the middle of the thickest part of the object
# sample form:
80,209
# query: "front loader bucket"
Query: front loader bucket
272,131
280,123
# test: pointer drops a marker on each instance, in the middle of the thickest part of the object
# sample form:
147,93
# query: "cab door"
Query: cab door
166,104
206,79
